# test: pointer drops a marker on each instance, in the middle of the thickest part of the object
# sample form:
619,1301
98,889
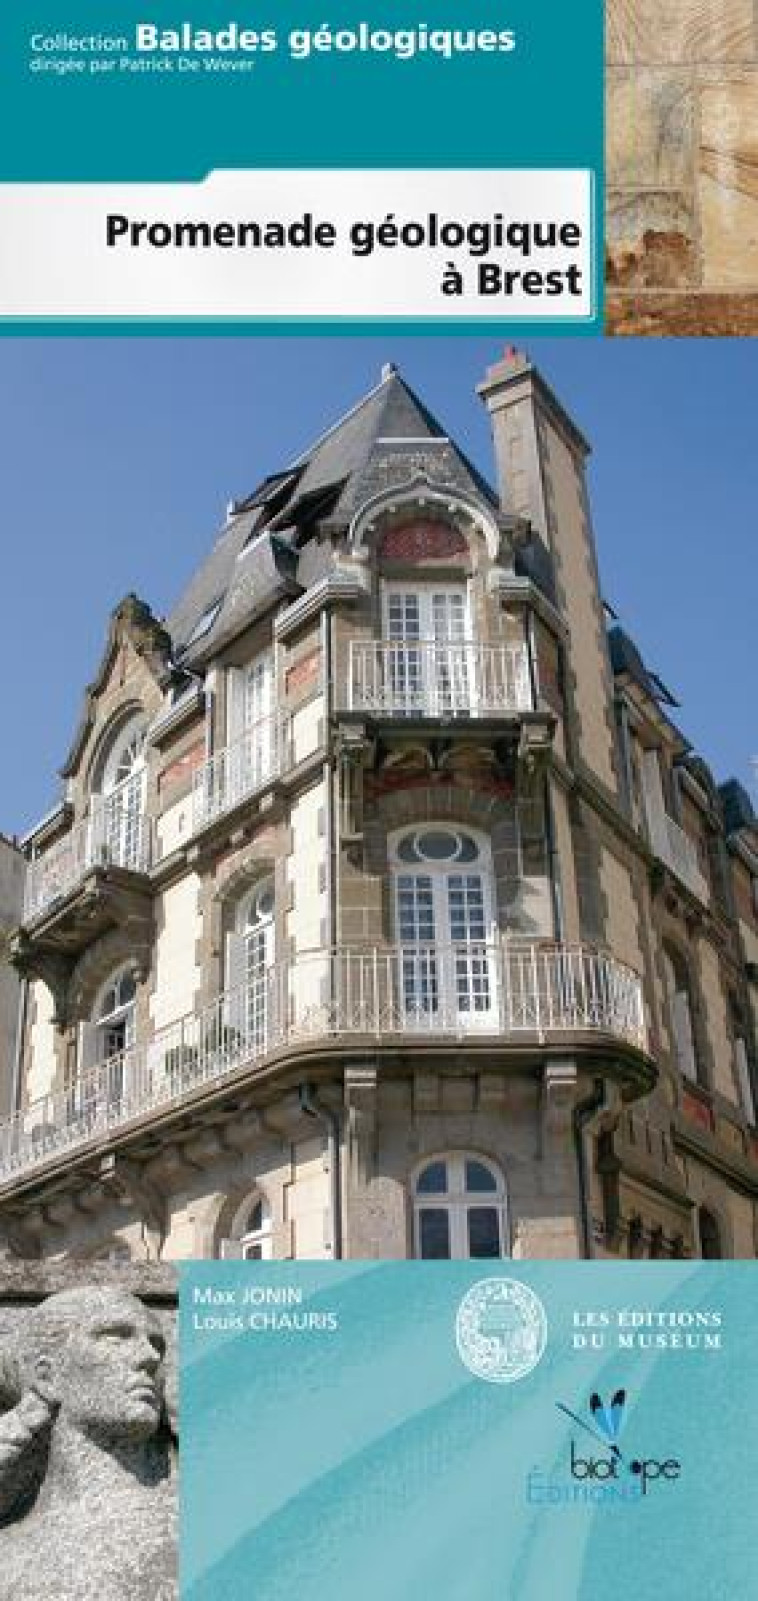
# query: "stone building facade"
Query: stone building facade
386,911
12,870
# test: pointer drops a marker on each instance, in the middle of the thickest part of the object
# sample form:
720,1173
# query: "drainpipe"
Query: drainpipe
531,654
604,1099
310,1104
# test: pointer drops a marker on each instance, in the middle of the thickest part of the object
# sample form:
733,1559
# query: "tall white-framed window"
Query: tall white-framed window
118,813
429,636
680,1013
104,1042
250,975
250,722
459,1209
445,926
114,1014
741,1061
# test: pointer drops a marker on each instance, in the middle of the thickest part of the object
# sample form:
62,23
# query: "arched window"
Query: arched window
104,1042
445,927
114,1014
680,1012
250,980
119,814
255,1236
250,1236
710,1235
459,1209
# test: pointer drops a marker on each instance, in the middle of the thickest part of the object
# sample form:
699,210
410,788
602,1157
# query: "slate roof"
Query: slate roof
388,438
626,658
738,807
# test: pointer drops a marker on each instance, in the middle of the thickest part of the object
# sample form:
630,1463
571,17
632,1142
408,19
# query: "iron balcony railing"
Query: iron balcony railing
422,678
679,852
116,832
237,771
499,992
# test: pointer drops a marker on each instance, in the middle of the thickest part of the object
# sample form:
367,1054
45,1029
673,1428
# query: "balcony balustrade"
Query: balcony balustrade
499,994
237,771
116,833
679,852
427,679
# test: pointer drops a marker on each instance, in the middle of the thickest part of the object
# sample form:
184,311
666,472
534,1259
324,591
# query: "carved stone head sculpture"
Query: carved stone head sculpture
86,1453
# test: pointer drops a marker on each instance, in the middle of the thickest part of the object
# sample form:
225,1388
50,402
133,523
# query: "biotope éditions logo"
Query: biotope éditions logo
500,1330
606,1478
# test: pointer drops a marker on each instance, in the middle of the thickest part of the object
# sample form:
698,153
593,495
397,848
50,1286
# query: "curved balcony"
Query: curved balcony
496,995
115,834
430,679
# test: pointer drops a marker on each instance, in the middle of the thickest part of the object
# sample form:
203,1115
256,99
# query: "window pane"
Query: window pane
466,906
434,1234
483,1231
406,850
433,1179
469,850
127,989
437,846
479,1178
415,909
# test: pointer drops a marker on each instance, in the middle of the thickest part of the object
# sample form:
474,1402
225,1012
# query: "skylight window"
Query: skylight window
204,623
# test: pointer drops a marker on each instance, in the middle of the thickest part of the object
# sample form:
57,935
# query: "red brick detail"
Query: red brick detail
697,1111
184,765
304,672
390,783
422,541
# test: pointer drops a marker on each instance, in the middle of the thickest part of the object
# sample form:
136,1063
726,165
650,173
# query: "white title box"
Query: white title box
489,245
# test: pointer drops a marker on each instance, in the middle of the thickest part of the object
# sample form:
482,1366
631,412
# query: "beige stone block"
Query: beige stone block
728,182
680,30
649,128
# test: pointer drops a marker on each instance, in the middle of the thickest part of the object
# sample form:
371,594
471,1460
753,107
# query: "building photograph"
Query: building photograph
364,890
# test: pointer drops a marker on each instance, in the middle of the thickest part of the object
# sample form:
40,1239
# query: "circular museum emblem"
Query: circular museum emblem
500,1330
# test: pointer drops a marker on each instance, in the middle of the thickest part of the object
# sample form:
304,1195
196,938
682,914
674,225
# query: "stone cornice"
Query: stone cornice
344,584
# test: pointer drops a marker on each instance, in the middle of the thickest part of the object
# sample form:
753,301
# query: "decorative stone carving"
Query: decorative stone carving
360,1104
87,1452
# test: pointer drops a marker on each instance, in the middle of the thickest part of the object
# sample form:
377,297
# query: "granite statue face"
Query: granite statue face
105,1373
87,1480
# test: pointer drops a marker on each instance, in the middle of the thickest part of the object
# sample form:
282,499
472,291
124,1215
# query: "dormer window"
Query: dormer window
432,662
203,625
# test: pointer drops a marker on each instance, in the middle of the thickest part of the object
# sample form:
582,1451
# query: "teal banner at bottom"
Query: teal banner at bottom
468,1431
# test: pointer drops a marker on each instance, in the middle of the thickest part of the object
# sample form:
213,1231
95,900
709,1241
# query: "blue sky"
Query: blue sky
119,455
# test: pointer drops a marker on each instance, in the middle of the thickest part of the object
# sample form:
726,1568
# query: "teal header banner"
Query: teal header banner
120,125
82,102
467,1431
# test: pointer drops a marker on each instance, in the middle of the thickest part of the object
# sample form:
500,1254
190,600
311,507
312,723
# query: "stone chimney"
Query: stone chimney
540,457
